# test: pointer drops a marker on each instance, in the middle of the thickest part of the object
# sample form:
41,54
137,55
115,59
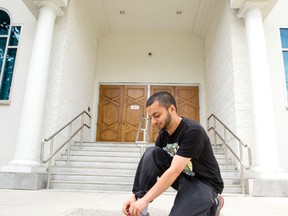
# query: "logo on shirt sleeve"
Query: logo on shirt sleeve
171,149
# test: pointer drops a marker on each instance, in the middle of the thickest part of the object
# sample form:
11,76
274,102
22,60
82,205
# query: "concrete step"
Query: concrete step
232,189
116,171
228,167
118,186
98,164
230,173
91,177
104,153
112,166
106,147
92,158
92,170
97,186
106,177
231,181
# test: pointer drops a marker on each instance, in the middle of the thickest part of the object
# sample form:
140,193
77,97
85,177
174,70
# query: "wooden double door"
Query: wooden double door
121,107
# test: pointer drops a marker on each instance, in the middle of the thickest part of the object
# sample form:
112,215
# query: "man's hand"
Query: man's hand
127,204
137,207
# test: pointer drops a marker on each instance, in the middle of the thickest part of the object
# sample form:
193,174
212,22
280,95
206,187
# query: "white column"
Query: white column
28,144
264,150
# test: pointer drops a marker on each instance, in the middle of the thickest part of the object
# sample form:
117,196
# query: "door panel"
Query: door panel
120,109
153,134
169,89
134,106
187,101
110,113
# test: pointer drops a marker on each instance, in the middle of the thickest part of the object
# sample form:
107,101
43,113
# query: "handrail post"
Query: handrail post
215,137
81,132
241,168
50,163
143,144
242,179
68,146
42,150
147,129
225,149
250,157
139,128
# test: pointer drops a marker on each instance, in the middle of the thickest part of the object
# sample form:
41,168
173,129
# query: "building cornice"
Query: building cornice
244,5
35,5
57,5
250,5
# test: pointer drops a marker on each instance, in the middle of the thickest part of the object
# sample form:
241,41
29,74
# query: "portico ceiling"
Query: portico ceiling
191,16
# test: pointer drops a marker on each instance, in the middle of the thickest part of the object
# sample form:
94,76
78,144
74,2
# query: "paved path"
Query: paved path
84,203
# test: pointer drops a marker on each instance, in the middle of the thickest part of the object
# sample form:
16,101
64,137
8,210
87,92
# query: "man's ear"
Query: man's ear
173,108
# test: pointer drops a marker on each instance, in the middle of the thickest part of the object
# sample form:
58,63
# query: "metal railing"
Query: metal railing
50,140
143,143
222,132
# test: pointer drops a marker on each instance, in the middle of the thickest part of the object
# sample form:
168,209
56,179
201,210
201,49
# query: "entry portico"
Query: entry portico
116,58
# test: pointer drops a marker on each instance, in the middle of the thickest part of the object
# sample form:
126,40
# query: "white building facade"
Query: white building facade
65,52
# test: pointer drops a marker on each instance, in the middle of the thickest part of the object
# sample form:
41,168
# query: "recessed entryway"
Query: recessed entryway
121,107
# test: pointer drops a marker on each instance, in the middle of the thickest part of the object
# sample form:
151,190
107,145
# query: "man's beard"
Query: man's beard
167,121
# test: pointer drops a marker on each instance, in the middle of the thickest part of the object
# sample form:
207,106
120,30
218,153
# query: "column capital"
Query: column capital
251,5
57,5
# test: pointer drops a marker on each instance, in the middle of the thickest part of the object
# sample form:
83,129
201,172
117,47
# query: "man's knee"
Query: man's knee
150,150
154,151
158,157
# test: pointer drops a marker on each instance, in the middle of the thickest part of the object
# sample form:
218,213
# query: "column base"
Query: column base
267,182
268,187
267,169
23,177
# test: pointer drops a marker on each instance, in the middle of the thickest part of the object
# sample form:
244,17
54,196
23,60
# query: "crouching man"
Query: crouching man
182,158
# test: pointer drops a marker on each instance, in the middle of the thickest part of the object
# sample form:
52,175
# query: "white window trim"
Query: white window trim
282,65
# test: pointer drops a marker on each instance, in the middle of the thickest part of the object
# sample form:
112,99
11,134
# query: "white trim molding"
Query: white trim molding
250,5
243,5
35,5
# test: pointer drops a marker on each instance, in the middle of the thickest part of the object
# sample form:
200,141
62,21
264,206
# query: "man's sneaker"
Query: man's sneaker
220,202
144,212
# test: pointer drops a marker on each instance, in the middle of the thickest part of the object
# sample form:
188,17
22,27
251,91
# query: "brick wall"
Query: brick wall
227,76
72,68
220,94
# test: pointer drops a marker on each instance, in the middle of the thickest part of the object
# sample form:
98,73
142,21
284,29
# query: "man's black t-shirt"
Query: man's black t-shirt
193,142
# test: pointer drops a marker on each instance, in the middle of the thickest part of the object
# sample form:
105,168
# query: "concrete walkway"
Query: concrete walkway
84,203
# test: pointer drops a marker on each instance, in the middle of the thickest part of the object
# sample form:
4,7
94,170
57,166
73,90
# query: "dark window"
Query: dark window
9,40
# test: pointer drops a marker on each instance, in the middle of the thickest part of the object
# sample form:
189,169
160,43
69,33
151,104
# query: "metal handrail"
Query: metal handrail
242,145
50,140
227,145
143,143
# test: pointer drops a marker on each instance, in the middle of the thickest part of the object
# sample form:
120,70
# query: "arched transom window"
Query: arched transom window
9,40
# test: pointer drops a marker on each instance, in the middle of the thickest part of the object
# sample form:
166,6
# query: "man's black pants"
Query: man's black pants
194,198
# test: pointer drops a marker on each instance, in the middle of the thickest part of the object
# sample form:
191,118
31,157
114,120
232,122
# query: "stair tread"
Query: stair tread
84,167
91,182
91,174
99,161
89,161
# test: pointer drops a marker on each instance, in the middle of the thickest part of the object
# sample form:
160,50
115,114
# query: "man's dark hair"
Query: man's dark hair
164,98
